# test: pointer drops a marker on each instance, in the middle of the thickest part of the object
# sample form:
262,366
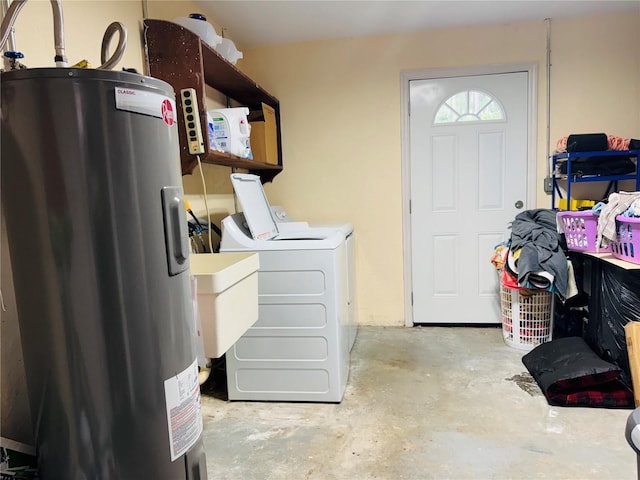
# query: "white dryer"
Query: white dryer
299,348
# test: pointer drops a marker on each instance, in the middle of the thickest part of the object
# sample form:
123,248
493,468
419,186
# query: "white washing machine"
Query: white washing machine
298,350
281,218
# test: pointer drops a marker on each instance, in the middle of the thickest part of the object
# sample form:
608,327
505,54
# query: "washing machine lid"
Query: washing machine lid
255,205
258,215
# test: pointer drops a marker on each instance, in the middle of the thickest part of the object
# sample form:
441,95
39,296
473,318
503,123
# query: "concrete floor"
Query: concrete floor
421,403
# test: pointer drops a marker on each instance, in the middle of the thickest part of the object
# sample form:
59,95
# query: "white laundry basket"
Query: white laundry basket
527,316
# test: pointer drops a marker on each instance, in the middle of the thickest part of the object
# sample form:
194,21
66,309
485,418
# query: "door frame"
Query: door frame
532,141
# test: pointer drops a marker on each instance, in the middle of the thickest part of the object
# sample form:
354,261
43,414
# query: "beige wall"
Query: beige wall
341,124
595,83
84,24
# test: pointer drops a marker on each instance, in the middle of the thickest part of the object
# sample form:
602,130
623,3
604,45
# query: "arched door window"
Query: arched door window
469,106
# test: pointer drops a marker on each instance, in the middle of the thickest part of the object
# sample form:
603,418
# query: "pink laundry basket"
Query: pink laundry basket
581,231
627,244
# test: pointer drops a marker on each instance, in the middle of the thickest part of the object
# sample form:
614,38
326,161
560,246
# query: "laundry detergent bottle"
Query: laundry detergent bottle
229,131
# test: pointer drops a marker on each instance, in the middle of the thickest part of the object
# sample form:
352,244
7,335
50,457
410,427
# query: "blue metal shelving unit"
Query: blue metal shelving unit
571,179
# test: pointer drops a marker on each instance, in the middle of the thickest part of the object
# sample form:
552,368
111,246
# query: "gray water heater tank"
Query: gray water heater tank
92,194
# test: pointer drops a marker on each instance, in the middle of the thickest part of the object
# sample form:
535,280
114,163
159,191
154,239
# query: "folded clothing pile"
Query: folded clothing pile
569,373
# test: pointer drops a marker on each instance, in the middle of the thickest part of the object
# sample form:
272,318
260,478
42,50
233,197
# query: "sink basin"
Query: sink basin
227,297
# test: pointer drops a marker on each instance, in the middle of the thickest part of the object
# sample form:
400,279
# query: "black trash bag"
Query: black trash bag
570,374
619,299
570,317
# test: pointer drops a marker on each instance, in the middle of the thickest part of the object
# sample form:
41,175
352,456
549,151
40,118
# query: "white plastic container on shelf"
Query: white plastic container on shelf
198,24
228,50
229,131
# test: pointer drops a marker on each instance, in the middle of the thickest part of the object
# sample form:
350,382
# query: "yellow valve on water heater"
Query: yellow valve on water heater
82,64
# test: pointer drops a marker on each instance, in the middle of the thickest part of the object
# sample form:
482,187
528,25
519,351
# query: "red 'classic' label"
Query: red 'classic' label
147,103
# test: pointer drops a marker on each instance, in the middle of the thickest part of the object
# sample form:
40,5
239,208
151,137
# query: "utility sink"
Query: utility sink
227,297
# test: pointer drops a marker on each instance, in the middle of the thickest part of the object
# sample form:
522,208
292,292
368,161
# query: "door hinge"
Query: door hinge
412,299
409,207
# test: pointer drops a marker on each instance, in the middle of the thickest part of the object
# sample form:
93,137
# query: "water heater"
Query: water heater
91,191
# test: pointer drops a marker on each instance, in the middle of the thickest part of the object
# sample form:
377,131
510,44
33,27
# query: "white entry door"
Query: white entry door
468,163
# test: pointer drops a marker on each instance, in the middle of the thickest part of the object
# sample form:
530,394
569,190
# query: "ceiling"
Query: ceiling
253,23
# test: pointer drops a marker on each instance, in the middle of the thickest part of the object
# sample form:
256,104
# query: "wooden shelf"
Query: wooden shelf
607,257
178,56
265,171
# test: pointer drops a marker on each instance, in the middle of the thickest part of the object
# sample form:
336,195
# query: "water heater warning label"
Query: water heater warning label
146,103
182,393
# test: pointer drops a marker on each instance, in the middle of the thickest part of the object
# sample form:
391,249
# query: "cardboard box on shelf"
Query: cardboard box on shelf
264,135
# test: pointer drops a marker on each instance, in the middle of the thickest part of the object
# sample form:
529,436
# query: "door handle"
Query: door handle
519,204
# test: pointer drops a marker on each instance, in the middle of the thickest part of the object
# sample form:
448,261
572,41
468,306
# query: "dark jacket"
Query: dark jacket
536,233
